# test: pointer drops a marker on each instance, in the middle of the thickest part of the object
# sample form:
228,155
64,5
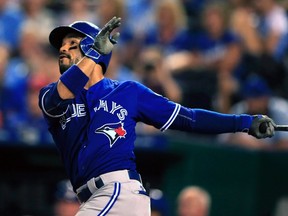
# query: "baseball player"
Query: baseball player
92,120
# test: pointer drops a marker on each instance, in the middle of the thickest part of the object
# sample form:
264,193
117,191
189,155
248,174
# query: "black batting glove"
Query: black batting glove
103,43
262,127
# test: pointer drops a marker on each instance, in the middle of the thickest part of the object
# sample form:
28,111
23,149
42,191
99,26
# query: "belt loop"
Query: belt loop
91,185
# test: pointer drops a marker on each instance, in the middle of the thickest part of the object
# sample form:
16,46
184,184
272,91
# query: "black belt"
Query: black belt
85,193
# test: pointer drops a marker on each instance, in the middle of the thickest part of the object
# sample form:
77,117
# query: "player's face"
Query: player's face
69,52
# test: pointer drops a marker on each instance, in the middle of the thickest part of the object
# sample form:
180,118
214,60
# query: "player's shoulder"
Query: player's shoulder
130,84
47,87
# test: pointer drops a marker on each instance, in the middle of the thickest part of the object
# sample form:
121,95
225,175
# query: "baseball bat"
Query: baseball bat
281,127
263,128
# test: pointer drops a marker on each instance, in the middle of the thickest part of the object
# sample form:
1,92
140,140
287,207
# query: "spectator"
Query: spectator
75,10
107,9
39,17
215,50
159,204
272,26
264,43
143,11
30,58
194,201
66,202
242,22
281,207
153,74
119,71
171,32
4,100
258,98
11,20
29,127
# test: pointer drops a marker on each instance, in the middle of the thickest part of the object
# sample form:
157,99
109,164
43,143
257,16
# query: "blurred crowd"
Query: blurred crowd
211,54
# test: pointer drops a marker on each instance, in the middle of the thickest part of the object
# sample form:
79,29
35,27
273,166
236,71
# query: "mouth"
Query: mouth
62,56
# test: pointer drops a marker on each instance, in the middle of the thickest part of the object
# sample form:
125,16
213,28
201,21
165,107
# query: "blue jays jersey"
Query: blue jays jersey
95,131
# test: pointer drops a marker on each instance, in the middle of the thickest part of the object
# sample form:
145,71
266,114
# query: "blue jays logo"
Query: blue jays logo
112,131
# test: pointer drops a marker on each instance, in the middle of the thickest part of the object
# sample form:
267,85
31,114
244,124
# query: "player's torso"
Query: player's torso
100,126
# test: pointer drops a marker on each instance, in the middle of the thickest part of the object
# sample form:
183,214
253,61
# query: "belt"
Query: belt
85,191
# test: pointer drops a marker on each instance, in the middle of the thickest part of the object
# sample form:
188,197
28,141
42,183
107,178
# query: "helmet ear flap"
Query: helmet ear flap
86,45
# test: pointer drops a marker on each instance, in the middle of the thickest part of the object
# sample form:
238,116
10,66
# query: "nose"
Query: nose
64,48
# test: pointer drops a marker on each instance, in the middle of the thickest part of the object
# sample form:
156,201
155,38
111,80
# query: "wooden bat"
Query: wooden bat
281,127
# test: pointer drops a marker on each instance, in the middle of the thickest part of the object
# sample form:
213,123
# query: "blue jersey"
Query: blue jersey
95,131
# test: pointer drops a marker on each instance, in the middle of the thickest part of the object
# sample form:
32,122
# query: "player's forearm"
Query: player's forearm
51,103
204,121
75,78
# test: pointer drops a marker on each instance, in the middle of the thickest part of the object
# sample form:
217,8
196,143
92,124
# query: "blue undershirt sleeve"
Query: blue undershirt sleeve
209,122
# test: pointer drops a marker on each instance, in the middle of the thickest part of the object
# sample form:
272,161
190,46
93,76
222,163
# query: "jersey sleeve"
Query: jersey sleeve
154,109
51,103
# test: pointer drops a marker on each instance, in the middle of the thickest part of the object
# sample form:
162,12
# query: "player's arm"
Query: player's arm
153,109
209,122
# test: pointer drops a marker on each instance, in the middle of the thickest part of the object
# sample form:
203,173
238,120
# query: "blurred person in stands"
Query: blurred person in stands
119,71
11,20
272,26
143,11
30,58
30,127
170,32
193,10
66,201
193,201
258,97
281,206
152,73
38,16
215,49
4,94
242,22
159,204
262,27
128,44
75,10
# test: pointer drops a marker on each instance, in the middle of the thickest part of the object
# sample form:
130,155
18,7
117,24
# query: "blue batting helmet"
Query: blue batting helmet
87,29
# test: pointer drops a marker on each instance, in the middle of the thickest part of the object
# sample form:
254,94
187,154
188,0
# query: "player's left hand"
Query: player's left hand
262,127
103,43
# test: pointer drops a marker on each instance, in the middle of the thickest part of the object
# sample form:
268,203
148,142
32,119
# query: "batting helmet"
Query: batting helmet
88,29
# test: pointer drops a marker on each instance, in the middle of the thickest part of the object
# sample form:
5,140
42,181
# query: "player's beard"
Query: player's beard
65,67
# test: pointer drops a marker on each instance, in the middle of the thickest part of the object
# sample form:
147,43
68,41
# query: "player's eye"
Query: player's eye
73,45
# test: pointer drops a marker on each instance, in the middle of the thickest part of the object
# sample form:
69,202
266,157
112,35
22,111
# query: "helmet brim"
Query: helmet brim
56,36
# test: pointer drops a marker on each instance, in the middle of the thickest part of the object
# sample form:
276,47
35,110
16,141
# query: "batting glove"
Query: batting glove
262,127
103,43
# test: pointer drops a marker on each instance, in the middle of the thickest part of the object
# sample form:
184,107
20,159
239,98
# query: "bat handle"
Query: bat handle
281,128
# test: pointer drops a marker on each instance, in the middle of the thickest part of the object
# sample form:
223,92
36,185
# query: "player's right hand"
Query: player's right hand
103,43
262,127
